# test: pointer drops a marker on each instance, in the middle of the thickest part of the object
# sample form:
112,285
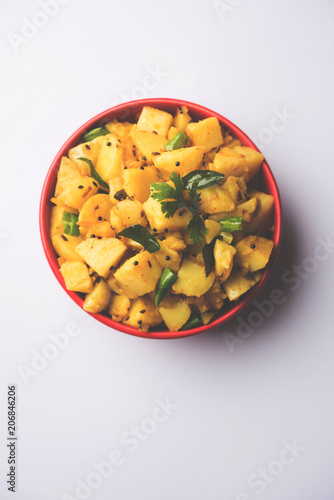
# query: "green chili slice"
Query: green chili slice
167,280
178,141
70,224
231,224
193,322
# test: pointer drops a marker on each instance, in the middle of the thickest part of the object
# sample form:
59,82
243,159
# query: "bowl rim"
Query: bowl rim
128,108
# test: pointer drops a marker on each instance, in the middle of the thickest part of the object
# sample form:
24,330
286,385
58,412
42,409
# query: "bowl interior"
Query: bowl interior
130,112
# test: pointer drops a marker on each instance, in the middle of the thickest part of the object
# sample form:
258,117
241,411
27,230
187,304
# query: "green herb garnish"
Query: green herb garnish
231,224
172,198
142,236
167,280
94,174
70,224
178,141
95,132
201,179
208,257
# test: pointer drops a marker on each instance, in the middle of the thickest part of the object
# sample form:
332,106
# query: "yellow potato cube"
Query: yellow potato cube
137,182
253,252
102,254
158,221
138,275
76,276
78,192
119,307
213,228
148,143
65,246
176,316
98,299
110,162
191,279
154,120
223,254
206,133
237,284
215,199
181,161
182,118
143,314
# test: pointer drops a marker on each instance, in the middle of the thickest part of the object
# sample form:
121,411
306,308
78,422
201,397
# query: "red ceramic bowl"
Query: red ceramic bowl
130,111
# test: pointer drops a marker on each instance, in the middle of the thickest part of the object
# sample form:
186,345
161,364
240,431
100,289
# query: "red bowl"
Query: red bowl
128,111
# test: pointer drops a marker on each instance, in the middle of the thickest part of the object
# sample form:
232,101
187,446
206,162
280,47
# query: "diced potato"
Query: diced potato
101,230
172,133
148,142
95,209
181,161
98,299
240,161
130,212
116,186
253,253
154,120
65,246
103,254
246,210
78,192
110,162
76,276
192,280
237,284
263,219
143,314
68,172
236,188
206,317
206,133
137,182
199,302
182,118
119,307
215,296
138,275
89,150
120,129
158,221
56,220
114,285
213,228
253,160
215,199
176,316
223,254
170,253
227,237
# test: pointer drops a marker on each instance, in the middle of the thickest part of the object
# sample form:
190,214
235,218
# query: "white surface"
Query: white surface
235,409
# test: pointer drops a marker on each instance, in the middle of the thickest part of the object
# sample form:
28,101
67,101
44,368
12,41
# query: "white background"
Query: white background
238,403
